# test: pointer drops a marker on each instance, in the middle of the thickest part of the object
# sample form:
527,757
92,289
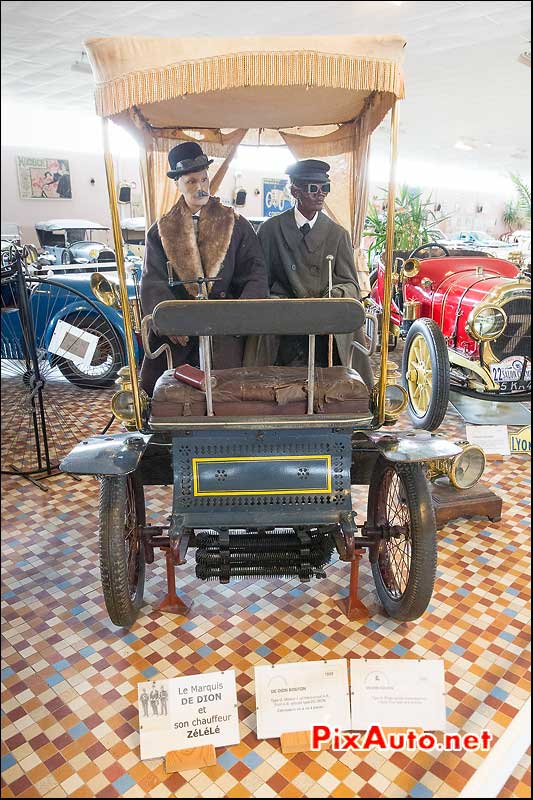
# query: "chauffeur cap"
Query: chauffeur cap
185,158
309,170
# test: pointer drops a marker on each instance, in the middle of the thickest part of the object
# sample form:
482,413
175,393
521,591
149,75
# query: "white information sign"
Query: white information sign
73,343
192,711
393,692
294,697
494,439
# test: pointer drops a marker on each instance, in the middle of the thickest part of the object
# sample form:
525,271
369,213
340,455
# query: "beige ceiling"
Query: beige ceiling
463,79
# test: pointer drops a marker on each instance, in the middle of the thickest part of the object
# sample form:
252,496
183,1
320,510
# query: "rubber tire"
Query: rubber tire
440,369
423,535
75,376
121,606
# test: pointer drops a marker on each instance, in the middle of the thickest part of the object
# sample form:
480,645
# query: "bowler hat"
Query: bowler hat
309,170
185,158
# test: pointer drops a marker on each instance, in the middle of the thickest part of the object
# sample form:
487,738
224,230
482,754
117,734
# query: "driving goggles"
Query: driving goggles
314,188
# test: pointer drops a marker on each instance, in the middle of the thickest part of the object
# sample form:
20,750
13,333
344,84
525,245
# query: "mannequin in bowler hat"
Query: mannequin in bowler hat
198,237
296,244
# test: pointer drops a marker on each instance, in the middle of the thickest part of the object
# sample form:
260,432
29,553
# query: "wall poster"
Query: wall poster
44,178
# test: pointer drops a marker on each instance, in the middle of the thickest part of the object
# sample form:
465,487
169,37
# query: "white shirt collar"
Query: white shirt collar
301,220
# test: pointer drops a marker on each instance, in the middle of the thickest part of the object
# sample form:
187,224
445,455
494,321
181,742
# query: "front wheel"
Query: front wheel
426,374
122,562
404,561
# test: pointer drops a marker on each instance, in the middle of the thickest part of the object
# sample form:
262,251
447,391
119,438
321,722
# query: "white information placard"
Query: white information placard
393,692
494,439
180,713
294,697
73,343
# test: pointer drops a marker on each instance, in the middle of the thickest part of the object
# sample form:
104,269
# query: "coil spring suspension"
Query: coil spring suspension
286,553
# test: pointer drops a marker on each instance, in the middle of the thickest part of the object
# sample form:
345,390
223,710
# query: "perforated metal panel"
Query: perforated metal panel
274,478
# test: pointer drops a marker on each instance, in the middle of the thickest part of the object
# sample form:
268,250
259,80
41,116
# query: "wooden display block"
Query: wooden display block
450,503
299,742
191,758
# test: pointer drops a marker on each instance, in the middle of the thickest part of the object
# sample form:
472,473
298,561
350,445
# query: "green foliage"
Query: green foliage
524,196
414,219
512,216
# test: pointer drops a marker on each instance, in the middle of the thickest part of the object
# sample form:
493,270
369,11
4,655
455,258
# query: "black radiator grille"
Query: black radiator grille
516,338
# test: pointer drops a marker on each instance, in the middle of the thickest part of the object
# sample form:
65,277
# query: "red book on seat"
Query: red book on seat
192,376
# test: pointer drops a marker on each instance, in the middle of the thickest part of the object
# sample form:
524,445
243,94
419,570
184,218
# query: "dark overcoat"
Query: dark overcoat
226,248
298,267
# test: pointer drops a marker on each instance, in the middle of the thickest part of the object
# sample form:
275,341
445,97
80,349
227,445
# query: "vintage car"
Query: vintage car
466,321
481,241
11,233
134,235
261,460
70,241
67,305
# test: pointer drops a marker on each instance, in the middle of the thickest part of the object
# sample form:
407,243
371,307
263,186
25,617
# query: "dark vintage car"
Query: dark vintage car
262,460
466,320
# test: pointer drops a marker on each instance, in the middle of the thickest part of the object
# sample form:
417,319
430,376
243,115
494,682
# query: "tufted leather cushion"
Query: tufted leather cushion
262,391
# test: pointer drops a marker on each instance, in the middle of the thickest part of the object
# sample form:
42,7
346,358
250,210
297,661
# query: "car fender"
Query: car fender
106,454
412,447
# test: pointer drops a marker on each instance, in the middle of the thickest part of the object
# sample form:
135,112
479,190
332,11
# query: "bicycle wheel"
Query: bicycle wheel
43,415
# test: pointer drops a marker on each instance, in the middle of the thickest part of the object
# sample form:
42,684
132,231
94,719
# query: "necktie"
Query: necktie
304,230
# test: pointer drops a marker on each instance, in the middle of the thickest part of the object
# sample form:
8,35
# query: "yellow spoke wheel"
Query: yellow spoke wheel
426,374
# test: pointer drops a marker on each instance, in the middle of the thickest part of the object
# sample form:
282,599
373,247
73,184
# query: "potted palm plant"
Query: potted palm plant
414,224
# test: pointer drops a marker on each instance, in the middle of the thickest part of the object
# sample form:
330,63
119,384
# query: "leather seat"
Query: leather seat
262,391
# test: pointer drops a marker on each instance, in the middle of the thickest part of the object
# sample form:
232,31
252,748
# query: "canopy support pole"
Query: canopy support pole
389,254
121,269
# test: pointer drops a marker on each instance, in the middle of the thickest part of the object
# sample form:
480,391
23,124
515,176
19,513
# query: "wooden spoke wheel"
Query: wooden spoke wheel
404,560
122,562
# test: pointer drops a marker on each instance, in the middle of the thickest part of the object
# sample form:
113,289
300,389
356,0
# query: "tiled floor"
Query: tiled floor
519,784
69,677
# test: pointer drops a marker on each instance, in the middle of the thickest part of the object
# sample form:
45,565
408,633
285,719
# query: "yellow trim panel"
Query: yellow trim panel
301,489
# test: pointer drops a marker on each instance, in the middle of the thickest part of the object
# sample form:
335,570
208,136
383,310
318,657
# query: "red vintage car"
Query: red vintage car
466,321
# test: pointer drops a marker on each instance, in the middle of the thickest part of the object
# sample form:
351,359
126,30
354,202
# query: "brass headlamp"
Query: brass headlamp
486,322
107,292
463,470
395,395
122,401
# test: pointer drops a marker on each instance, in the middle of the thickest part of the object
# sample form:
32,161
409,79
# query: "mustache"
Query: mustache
201,194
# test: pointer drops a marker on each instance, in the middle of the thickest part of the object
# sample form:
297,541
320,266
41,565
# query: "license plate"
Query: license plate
511,370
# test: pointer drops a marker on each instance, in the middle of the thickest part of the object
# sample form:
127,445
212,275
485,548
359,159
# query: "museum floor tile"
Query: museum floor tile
69,716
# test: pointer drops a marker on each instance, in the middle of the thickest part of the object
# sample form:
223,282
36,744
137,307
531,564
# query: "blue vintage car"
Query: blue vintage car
70,241
74,331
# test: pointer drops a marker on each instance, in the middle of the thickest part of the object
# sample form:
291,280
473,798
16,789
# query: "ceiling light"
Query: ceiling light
82,65
462,145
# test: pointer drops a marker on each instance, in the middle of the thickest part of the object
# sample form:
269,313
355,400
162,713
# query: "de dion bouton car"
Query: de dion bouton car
466,321
261,460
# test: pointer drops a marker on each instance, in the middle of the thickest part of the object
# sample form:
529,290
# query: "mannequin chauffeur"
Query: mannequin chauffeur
296,245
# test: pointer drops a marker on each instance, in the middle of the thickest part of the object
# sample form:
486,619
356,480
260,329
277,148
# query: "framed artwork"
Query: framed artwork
276,196
44,178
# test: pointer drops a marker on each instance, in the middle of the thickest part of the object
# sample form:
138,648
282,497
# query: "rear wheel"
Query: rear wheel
426,374
404,561
122,562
